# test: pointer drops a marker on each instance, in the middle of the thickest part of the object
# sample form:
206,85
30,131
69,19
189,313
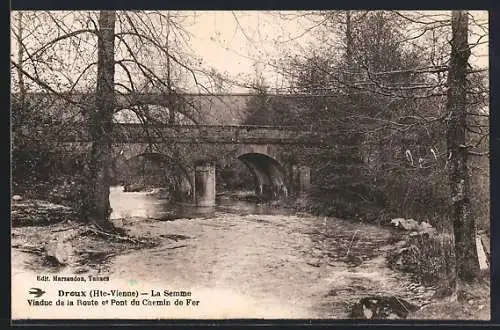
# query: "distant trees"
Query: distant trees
351,94
405,108
263,107
409,109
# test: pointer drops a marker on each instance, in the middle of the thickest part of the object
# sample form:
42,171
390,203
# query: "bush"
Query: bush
346,205
430,258
422,196
32,158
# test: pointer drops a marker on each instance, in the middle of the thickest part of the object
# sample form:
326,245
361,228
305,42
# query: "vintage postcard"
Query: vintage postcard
250,165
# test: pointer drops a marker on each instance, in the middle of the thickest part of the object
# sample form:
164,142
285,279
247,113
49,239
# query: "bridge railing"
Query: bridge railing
217,134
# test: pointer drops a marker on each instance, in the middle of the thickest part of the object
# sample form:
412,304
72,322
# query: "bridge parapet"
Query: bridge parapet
215,134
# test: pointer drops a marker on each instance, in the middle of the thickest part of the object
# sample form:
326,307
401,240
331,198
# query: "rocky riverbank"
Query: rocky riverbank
50,239
33,212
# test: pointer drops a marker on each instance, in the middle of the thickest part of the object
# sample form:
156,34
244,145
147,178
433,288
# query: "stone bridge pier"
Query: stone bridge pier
274,177
301,178
267,183
204,191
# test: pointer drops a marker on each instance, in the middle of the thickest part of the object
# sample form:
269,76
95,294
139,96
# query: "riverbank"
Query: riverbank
471,303
89,250
72,245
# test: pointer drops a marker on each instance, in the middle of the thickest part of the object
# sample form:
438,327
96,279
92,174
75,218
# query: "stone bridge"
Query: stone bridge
269,152
275,155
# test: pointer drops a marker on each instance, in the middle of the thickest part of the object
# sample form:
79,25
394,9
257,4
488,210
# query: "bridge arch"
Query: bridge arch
159,106
160,112
269,174
180,181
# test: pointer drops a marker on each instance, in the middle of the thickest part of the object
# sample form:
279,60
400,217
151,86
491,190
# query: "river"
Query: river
243,260
276,263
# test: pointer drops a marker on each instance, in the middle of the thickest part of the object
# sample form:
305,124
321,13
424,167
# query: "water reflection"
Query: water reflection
148,205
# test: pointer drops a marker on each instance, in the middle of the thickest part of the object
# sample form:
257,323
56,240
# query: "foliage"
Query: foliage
430,259
385,106
32,158
61,53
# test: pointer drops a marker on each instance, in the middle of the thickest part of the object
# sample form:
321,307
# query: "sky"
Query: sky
227,40
242,43
230,45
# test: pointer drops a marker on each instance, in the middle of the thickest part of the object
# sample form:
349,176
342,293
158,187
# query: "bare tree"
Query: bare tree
420,106
463,223
96,207
20,55
60,51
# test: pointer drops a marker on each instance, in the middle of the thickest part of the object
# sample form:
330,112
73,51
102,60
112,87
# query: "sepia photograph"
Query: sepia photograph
219,165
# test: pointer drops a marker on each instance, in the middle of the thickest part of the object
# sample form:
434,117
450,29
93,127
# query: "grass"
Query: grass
473,303
434,256
429,258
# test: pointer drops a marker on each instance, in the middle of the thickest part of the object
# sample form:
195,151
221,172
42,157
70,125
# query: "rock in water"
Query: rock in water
410,224
134,188
425,225
400,244
405,224
396,222
58,252
371,308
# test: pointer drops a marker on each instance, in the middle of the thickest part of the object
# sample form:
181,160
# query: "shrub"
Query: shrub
430,258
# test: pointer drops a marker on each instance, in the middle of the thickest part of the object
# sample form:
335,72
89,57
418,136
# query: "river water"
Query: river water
239,259
255,261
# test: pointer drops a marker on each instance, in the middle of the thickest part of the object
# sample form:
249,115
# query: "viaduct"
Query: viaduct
270,152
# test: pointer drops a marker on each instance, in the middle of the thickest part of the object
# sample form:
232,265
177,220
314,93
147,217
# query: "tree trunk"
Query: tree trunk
96,205
464,226
171,104
20,55
348,41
